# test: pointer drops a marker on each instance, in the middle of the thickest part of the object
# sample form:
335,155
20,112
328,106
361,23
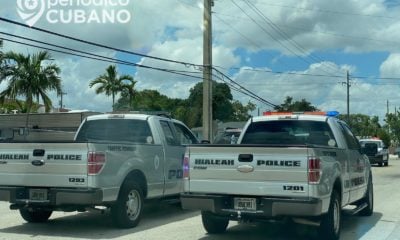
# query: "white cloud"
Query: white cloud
173,29
326,93
391,66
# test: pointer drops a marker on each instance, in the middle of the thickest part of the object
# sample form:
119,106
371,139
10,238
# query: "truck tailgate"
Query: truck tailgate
249,170
43,164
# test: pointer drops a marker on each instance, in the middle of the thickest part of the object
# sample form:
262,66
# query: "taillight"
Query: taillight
186,167
96,161
314,170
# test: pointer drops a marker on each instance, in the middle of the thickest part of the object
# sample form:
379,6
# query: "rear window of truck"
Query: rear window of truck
289,132
116,130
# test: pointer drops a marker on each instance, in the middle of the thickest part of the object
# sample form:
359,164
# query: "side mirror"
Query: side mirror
362,150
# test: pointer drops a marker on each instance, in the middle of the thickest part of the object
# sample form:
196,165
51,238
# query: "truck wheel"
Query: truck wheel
127,210
34,215
330,225
368,199
387,161
380,164
214,224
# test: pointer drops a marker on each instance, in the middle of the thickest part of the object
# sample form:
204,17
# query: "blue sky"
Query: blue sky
297,48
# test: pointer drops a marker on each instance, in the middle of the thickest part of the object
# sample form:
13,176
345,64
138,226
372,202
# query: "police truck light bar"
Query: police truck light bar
319,113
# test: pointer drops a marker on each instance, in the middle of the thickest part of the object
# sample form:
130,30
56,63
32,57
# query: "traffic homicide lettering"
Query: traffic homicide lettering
278,163
227,162
121,148
64,157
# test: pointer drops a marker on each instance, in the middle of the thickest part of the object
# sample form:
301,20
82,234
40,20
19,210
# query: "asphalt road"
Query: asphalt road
163,221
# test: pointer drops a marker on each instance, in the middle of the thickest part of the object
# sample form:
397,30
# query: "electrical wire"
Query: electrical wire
284,35
223,75
338,35
103,59
112,60
272,36
94,44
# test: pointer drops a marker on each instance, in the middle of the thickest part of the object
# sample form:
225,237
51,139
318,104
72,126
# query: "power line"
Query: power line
307,74
283,34
95,44
272,36
328,11
245,89
245,37
104,59
338,35
112,60
280,72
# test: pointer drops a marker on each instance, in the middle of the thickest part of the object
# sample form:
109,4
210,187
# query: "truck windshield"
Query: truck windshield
289,132
118,130
379,144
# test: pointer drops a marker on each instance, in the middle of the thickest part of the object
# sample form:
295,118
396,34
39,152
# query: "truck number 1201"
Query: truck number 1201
293,188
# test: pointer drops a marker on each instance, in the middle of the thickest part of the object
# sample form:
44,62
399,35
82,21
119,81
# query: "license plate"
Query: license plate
38,194
245,204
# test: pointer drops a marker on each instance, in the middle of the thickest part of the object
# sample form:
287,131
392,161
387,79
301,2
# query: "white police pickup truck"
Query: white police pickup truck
116,161
302,167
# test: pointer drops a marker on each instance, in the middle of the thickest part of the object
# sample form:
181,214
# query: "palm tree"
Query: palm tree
128,91
27,77
110,83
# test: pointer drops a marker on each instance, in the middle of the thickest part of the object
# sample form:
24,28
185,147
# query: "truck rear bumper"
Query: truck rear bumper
377,159
266,207
53,196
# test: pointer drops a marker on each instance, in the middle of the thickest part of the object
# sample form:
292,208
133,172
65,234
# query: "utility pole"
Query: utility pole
207,71
348,97
387,107
61,101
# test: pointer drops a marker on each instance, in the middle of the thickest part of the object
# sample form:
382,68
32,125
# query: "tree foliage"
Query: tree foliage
110,83
190,110
297,106
27,77
393,124
363,125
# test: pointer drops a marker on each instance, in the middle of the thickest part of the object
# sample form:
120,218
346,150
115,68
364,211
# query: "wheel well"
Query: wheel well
337,186
138,176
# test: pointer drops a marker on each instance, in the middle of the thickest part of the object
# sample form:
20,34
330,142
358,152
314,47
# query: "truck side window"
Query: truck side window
351,140
168,133
184,135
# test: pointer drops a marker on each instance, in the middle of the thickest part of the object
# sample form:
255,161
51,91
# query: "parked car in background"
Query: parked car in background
376,151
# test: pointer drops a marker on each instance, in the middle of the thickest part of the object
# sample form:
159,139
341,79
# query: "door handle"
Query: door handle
245,157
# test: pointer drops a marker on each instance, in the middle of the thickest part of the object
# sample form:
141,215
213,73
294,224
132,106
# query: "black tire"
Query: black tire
368,199
127,210
35,215
380,164
214,224
330,225
387,161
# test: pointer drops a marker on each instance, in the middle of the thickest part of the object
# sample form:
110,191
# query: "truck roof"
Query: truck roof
370,140
291,117
121,116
